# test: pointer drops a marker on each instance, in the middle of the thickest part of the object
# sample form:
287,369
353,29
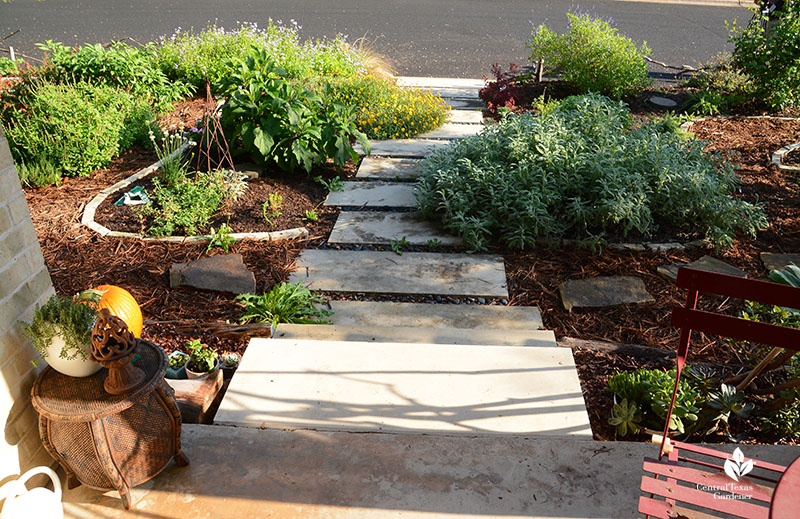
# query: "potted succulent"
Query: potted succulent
176,369
61,333
203,361
229,363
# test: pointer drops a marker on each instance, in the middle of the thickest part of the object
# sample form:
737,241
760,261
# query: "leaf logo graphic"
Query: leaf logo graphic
737,467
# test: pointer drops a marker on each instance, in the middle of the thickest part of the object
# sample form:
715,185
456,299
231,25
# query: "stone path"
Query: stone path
440,368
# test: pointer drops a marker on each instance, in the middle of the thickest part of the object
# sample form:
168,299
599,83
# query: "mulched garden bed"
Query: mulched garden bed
79,258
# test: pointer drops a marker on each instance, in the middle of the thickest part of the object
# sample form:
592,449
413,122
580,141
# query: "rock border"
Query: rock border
87,218
777,157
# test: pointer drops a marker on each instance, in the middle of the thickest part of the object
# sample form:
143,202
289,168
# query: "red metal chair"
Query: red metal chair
689,481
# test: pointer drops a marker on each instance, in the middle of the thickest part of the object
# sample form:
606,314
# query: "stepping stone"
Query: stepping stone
412,335
454,93
421,315
221,273
663,102
466,104
453,131
775,261
707,263
465,117
426,388
605,291
440,82
373,194
372,228
388,169
426,273
418,148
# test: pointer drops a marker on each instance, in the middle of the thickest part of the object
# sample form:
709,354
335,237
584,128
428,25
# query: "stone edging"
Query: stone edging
777,157
87,218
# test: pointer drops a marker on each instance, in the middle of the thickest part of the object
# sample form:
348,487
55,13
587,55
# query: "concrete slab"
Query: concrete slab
373,194
603,291
372,168
430,388
377,272
372,228
420,315
415,148
396,334
465,103
440,82
465,117
238,473
453,131
773,261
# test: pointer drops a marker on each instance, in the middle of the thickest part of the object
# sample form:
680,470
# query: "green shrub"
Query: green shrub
279,123
194,57
189,204
119,65
773,63
581,169
721,87
76,128
386,111
38,172
593,56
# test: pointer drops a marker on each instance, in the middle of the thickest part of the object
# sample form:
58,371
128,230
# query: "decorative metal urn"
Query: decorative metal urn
113,347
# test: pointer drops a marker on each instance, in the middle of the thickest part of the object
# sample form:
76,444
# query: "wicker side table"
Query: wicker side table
110,442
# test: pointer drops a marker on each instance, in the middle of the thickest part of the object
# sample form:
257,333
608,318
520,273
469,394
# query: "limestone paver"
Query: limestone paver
603,291
416,148
316,475
373,194
382,228
774,261
465,117
453,131
454,93
372,168
466,103
707,263
431,388
440,82
397,334
421,315
379,272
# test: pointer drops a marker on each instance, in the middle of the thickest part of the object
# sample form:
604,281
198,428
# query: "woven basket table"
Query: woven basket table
110,442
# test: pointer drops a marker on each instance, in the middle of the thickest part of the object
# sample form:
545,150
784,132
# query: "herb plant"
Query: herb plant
221,238
178,361
61,316
581,169
202,358
285,303
593,56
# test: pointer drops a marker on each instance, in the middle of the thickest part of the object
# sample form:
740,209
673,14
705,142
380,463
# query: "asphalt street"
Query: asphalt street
457,38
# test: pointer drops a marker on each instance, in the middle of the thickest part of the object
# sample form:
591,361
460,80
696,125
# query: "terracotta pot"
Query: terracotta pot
200,374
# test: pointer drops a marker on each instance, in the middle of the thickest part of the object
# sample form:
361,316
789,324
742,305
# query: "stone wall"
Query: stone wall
24,282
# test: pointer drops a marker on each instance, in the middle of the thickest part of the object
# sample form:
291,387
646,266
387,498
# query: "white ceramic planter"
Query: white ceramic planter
77,367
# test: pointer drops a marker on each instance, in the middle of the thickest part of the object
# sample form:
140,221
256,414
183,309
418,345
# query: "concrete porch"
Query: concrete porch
246,473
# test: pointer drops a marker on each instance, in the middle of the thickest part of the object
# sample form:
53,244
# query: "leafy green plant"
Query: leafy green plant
9,67
61,316
202,358
398,245
725,402
772,61
721,87
626,417
178,361
434,243
311,215
173,164
334,184
285,303
118,65
581,170
38,172
278,123
385,111
271,207
230,360
74,127
221,238
785,420
196,56
187,205
593,56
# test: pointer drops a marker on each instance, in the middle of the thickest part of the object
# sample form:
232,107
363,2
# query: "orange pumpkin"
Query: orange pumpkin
119,302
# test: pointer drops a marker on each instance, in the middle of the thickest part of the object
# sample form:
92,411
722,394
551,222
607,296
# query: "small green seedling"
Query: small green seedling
271,207
398,246
311,216
434,243
334,184
221,238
